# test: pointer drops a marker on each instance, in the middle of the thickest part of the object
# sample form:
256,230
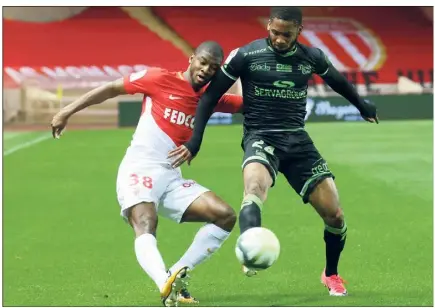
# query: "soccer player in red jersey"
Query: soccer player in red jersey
147,184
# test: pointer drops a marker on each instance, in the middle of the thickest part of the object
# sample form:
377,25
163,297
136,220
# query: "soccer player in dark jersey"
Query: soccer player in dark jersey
274,72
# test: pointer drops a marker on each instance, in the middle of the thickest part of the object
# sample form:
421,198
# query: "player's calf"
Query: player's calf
143,219
250,214
220,219
324,199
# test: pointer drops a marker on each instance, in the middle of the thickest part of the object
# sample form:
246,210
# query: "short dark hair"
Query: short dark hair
287,13
211,47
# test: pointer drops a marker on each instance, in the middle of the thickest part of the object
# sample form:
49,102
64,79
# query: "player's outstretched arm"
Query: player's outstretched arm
220,84
342,86
218,87
96,96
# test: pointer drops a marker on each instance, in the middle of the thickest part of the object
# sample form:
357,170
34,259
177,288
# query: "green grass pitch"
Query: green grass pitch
65,244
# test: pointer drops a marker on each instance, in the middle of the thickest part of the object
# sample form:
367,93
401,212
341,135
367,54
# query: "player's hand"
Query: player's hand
181,154
58,124
369,113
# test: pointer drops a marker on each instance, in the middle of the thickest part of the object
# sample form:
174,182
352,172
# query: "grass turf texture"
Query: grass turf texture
64,242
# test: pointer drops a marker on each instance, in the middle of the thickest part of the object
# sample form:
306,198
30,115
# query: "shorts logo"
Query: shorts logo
188,184
320,168
261,154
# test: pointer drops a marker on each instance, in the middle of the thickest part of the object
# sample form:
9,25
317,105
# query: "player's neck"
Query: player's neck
187,77
289,51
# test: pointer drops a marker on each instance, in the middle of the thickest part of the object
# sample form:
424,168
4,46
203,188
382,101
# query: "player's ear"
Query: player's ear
191,59
268,25
301,27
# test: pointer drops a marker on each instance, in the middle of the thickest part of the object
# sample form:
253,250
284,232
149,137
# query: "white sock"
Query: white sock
208,239
150,259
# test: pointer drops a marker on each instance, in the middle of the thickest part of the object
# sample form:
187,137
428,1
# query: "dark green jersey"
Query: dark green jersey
274,85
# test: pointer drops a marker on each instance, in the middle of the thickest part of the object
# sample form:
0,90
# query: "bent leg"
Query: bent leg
220,219
209,208
257,180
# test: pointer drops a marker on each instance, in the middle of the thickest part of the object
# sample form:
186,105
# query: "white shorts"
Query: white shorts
157,183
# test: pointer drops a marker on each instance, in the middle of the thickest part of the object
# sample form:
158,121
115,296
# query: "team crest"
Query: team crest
305,69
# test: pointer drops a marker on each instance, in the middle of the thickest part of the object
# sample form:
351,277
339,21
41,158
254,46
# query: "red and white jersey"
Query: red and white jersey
168,111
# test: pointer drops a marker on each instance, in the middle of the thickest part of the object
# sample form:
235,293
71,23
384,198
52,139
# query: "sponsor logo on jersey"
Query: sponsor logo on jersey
254,52
179,118
287,68
305,69
285,93
259,67
284,84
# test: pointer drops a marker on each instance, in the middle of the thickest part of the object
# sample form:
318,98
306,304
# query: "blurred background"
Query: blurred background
54,54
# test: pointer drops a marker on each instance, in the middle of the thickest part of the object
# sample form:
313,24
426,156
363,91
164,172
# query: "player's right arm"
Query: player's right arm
138,82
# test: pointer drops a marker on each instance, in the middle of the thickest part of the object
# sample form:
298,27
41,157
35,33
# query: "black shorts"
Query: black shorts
293,154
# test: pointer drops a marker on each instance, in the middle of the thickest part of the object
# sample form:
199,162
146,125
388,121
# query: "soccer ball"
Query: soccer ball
257,248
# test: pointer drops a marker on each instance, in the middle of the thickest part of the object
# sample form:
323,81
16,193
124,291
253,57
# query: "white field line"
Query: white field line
13,135
26,144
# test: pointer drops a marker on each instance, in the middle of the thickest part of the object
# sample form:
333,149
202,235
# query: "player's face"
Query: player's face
203,67
283,34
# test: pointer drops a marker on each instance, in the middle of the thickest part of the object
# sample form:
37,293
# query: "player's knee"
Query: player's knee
143,219
257,188
334,217
225,218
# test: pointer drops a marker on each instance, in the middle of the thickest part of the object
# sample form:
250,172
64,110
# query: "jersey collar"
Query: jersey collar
287,54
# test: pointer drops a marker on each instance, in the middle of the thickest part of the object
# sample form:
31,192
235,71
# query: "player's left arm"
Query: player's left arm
230,103
342,86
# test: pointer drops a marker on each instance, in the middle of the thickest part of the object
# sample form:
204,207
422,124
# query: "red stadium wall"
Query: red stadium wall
99,41
381,39
106,42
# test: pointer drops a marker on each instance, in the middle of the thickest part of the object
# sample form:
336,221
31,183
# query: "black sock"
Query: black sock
250,215
335,238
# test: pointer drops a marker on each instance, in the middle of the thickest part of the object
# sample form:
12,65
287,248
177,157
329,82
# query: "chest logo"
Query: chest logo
284,84
259,67
305,69
287,68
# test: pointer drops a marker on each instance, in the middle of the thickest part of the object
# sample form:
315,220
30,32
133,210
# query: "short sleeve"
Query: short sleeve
229,103
141,82
321,62
233,65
